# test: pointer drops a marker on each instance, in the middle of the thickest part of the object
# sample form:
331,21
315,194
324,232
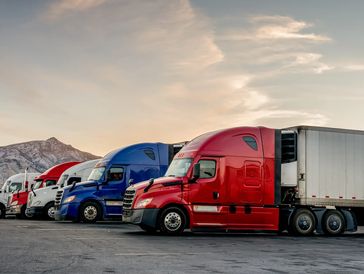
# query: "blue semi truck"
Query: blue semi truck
101,196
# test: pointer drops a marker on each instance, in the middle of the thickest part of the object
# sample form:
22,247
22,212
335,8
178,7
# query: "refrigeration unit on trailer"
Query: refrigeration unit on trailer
13,184
41,201
101,196
301,179
18,201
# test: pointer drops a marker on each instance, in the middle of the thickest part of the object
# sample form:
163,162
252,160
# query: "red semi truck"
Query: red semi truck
301,179
17,203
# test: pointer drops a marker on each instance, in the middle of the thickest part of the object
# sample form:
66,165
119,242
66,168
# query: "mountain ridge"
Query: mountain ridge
38,156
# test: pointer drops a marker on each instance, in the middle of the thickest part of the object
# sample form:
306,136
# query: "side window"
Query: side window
116,174
71,180
207,169
50,183
251,142
150,153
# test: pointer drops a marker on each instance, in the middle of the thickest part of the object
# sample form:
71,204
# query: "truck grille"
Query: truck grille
128,198
58,200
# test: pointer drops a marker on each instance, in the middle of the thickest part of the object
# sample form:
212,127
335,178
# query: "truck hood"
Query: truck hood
81,185
160,182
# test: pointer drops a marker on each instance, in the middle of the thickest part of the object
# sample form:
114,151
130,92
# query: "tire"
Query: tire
303,223
333,223
2,212
90,212
48,211
172,221
148,229
23,215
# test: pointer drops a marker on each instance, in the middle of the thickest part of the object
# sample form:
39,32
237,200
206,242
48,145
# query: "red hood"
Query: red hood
157,182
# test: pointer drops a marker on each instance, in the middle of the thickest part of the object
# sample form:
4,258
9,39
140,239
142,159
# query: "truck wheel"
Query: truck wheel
148,229
303,222
48,211
23,215
172,221
2,212
90,212
333,223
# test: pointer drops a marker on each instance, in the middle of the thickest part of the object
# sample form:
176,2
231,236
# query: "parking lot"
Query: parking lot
113,247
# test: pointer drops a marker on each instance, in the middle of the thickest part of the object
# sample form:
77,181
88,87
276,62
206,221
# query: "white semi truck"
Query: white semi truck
13,184
41,201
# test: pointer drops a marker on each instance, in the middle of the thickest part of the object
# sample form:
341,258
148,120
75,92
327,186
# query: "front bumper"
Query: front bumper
66,212
13,210
147,216
34,211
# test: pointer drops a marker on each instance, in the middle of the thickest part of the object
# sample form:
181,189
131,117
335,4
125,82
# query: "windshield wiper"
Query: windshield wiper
171,175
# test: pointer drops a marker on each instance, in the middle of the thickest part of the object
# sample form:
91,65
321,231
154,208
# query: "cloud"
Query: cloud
276,28
62,7
283,27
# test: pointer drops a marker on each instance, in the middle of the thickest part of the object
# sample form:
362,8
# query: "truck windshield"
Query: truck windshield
62,180
15,187
37,184
96,174
179,167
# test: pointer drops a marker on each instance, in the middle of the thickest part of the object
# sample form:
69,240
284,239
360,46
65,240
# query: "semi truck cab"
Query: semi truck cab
12,185
18,202
212,183
101,196
41,201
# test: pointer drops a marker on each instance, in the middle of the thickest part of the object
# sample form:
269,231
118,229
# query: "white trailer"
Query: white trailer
13,184
41,201
323,170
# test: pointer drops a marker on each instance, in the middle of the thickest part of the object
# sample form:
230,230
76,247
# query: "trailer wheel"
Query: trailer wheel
90,212
148,229
303,222
48,211
172,221
2,211
333,223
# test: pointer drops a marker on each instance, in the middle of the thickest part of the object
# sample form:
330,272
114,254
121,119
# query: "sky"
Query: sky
102,74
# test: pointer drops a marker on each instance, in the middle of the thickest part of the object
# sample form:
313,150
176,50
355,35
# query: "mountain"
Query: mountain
38,156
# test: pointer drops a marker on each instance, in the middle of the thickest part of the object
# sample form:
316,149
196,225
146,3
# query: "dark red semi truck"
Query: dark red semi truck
300,179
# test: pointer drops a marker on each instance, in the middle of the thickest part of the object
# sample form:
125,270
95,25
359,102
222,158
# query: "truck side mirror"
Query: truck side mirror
196,171
131,182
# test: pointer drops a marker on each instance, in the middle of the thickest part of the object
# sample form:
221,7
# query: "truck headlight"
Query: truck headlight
69,199
14,203
143,203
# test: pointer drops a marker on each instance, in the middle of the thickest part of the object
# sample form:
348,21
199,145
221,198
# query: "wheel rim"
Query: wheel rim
334,223
51,212
172,221
90,213
304,222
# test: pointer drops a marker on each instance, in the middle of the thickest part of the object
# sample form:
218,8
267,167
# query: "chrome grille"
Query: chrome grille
128,198
58,200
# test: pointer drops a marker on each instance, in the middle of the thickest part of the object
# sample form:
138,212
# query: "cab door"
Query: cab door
246,186
207,194
111,190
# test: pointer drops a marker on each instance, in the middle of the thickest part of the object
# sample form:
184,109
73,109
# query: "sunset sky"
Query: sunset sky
101,74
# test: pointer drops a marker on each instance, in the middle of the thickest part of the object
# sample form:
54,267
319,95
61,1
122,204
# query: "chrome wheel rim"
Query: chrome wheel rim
90,213
51,212
172,221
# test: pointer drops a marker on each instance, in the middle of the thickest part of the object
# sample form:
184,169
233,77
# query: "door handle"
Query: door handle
215,195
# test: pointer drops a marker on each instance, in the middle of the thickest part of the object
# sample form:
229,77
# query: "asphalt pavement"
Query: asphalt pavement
28,246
